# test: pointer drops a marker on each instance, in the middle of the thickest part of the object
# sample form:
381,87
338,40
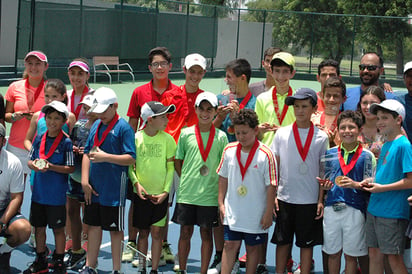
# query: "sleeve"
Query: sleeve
134,108
259,108
69,161
407,156
271,177
222,169
17,184
129,146
10,93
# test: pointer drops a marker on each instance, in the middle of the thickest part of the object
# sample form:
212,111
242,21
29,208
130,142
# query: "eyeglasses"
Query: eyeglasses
369,67
162,64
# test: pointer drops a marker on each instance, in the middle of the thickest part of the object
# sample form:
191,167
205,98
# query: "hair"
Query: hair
380,57
51,110
59,86
372,90
246,117
26,75
391,112
335,82
271,51
329,63
240,67
84,60
280,63
163,51
355,116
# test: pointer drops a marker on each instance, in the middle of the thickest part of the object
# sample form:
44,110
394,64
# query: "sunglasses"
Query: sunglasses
369,67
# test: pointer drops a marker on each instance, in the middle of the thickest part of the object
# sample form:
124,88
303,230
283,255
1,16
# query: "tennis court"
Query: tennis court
24,255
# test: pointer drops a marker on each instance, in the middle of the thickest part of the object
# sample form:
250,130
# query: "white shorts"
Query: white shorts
23,156
344,229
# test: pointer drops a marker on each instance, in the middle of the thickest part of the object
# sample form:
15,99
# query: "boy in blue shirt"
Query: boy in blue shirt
51,157
109,150
388,209
346,166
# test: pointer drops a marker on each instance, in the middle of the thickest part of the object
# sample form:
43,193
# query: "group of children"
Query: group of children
235,162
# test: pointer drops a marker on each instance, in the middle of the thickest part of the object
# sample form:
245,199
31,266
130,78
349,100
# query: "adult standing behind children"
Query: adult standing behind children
197,156
406,99
12,223
388,208
299,205
270,105
109,151
2,110
23,98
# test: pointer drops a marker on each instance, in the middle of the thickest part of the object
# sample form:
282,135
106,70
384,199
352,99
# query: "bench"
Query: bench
108,65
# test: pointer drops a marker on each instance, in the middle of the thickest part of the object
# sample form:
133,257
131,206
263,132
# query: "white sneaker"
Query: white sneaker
176,267
162,262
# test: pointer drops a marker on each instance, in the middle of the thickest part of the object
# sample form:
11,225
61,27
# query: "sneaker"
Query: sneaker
181,271
290,265
176,267
262,269
216,265
242,260
88,270
312,268
142,270
129,252
59,267
167,253
116,272
69,244
74,260
162,261
39,266
5,263
153,271
236,268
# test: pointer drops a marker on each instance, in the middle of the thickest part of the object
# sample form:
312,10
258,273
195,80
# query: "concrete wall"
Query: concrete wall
8,31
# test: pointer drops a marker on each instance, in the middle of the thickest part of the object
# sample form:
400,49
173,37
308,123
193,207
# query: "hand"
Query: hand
319,211
98,156
326,184
222,111
159,198
222,213
347,182
44,169
276,208
266,221
371,187
141,192
28,115
387,87
88,192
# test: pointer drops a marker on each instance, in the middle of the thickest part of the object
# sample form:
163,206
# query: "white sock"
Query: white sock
5,248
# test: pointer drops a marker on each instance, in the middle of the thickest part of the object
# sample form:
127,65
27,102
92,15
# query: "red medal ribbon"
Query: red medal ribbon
249,159
245,100
79,106
205,152
98,142
303,151
334,123
42,150
36,92
348,167
280,117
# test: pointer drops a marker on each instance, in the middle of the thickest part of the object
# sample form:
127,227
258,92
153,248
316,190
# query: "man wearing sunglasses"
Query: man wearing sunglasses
370,69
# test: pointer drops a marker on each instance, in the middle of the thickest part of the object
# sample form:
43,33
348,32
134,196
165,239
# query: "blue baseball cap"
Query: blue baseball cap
302,94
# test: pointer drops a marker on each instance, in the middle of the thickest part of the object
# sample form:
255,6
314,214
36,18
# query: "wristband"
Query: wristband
13,117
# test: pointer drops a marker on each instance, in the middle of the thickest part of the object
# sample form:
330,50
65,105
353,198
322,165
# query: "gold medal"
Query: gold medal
204,170
40,163
242,190
93,150
339,179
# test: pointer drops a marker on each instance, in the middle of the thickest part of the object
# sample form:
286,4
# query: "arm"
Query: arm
266,221
220,116
320,207
276,199
13,207
10,115
402,184
60,168
178,166
87,188
221,196
100,156
133,123
71,122
168,181
31,132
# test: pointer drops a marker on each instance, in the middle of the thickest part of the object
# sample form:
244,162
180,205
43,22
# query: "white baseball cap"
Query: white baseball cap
389,104
208,96
153,109
195,59
103,98
57,106
88,100
407,67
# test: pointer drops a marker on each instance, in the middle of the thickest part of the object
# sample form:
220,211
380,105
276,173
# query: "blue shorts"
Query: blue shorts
250,238
75,191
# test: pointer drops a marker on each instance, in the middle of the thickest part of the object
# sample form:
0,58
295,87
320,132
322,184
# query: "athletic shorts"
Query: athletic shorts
344,229
110,218
251,239
386,234
16,217
145,213
130,195
75,191
47,215
203,216
298,220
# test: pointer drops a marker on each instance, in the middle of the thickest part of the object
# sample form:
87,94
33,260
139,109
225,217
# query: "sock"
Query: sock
80,251
5,248
219,253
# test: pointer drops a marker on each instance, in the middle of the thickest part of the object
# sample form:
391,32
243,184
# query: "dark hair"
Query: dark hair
59,86
246,117
380,57
163,51
51,110
239,67
280,63
271,51
335,82
373,90
391,112
355,116
329,63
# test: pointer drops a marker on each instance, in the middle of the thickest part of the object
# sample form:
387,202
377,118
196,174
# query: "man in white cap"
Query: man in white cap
13,225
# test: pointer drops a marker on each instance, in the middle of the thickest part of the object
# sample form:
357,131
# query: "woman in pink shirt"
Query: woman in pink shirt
23,98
